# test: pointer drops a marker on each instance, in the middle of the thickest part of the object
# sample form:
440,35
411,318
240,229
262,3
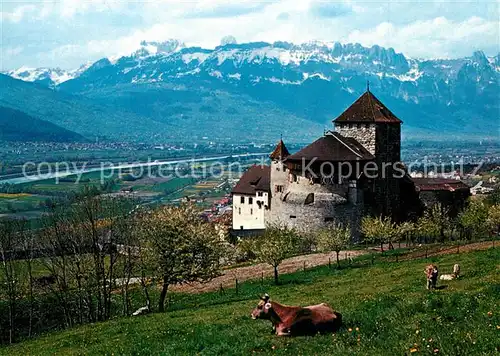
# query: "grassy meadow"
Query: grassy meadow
385,306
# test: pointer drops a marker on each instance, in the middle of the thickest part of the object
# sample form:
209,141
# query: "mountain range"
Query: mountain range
255,91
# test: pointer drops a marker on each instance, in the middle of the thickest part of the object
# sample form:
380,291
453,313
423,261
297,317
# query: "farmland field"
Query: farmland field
21,202
386,311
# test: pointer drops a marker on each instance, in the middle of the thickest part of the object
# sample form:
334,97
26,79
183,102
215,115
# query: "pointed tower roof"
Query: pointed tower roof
367,109
280,152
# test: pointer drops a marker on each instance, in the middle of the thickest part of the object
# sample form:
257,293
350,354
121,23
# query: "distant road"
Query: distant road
35,177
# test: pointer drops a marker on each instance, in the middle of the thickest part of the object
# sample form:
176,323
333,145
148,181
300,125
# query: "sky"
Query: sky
69,33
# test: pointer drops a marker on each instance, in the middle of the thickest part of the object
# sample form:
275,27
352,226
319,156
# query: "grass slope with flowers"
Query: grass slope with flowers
385,307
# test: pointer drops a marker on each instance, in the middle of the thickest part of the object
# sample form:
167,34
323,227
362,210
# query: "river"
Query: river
66,173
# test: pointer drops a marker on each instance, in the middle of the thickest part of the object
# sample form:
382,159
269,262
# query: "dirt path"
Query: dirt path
446,250
255,271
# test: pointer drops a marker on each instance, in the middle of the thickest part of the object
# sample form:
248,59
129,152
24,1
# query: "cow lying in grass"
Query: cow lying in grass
293,321
454,275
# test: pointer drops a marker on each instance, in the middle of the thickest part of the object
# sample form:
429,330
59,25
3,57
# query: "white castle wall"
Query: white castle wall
248,216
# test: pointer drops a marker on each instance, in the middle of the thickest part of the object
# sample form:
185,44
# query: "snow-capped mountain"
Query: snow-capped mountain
313,81
286,63
49,77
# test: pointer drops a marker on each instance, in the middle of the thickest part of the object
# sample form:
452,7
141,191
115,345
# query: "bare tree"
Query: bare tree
10,273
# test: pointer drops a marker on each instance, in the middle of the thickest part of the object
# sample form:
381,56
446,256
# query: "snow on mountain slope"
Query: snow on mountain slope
47,76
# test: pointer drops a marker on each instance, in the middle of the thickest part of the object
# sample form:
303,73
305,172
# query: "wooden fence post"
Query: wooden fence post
304,266
236,285
329,262
262,278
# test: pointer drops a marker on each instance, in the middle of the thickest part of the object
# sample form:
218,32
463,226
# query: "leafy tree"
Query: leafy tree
438,215
183,248
403,231
377,229
335,238
276,244
493,219
473,219
426,229
494,197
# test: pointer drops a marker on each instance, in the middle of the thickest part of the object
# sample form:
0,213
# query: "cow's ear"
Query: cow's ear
267,306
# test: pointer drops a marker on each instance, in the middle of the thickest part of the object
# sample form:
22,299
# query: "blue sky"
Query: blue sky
67,33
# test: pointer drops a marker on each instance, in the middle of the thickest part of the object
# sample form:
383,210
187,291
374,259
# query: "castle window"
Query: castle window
239,211
293,217
251,211
278,188
259,194
309,199
242,200
250,201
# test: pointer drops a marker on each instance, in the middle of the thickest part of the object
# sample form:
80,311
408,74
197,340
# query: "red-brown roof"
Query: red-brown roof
254,179
434,184
367,109
280,152
332,147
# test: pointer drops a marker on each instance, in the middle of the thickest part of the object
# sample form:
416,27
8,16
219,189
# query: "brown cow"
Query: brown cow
295,321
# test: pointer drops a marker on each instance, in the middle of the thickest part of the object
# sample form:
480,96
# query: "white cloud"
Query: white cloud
12,51
438,37
18,13
70,32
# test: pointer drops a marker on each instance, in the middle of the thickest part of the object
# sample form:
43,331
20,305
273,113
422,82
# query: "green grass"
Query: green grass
387,302
20,202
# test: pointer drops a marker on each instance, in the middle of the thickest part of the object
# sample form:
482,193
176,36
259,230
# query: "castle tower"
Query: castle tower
279,176
373,125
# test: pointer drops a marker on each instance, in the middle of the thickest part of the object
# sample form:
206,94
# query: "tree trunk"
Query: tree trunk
276,280
163,294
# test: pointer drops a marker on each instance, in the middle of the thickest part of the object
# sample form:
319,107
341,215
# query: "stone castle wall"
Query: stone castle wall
332,202
363,133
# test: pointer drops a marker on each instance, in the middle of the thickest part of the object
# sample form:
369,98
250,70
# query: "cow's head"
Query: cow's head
263,309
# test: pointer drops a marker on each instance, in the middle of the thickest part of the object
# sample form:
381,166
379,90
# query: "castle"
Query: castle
349,172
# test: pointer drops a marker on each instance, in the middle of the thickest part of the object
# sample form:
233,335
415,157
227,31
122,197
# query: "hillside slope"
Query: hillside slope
386,311
156,112
17,126
74,113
